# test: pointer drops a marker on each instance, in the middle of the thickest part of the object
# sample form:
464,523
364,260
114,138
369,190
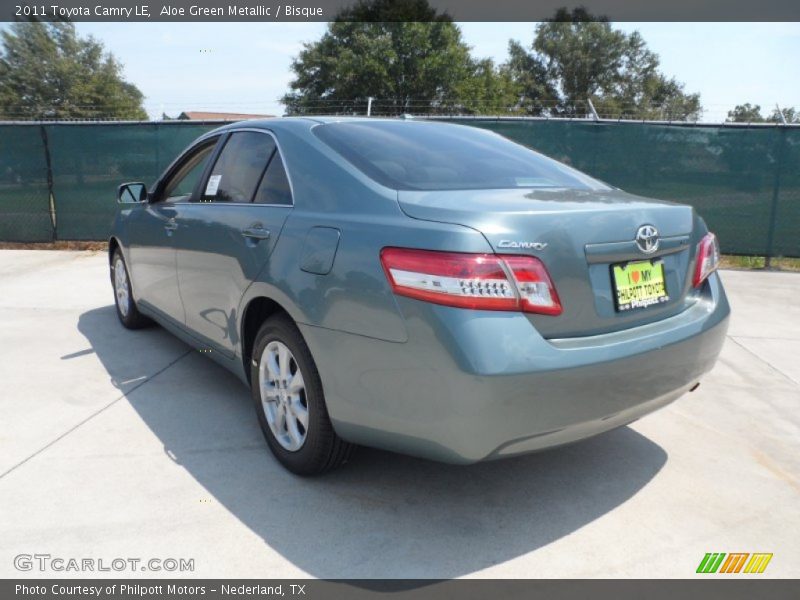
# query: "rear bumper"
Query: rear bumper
469,386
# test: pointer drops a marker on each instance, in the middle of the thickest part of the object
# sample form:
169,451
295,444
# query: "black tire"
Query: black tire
130,318
322,449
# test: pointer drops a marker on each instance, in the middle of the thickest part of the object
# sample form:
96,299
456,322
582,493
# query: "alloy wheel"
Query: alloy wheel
283,396
121,289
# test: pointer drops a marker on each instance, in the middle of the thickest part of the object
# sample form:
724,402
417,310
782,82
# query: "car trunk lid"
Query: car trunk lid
579,235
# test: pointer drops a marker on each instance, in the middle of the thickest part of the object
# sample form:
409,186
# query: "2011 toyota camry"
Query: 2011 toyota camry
422,287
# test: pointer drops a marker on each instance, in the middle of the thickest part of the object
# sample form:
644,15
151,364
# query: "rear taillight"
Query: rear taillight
477,281
707,258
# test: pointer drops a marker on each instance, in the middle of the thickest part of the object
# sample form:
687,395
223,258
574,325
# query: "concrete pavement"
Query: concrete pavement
119,444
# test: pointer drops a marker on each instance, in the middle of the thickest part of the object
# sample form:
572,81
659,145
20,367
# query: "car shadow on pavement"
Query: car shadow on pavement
382,515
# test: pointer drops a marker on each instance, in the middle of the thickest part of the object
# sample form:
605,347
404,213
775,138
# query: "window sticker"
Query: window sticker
213,185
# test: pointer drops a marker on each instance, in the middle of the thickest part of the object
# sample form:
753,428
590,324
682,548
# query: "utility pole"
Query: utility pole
776,187
780,113
594,112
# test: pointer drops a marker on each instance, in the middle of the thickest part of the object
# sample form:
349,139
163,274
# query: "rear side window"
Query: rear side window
408,155
274,187
239,168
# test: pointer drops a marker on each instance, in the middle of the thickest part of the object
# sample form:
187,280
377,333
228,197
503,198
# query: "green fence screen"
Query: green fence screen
745,181
24,190
90,161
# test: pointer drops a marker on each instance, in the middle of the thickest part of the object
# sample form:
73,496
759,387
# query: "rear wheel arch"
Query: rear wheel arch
258,310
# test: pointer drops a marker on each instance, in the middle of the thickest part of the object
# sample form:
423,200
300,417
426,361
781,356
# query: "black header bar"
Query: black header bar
710,587
458,10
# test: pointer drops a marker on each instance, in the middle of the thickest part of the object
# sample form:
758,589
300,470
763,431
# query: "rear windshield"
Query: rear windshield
408,155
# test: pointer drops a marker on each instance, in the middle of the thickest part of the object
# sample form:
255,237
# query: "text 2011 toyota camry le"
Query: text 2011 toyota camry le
423,287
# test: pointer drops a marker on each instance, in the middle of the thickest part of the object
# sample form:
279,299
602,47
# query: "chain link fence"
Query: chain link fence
743,180
89,161
25,208
58,180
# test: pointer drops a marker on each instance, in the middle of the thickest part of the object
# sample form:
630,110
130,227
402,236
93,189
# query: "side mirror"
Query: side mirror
130,193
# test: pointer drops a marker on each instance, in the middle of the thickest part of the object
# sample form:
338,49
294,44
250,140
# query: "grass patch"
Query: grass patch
60,245
759,262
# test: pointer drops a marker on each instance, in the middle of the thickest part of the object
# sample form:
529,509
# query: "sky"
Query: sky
245,67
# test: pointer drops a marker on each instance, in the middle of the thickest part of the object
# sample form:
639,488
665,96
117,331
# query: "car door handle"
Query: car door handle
256,233
170,226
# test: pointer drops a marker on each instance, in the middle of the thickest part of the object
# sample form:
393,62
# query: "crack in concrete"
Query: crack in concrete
92,416
766,362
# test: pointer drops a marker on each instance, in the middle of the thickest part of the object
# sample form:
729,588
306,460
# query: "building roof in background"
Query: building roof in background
218,116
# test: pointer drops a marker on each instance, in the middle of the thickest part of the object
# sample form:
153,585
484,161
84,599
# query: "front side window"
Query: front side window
239,168
181,183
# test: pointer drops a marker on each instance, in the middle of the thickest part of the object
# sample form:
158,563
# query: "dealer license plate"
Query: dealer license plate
638,284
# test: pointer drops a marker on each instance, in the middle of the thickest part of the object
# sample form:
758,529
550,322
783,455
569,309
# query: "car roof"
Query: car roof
289,123
303,124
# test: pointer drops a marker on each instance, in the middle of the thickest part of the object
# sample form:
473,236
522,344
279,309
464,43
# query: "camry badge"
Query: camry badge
530,245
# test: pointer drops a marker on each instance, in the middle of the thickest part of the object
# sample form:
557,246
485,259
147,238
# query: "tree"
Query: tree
48,72
789,114
486,90
403,53
576,57
536,93
745,113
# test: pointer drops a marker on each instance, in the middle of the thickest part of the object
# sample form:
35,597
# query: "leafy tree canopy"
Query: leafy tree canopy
576,56
403,53
411,58
751,113
48,72
745,113
790,114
